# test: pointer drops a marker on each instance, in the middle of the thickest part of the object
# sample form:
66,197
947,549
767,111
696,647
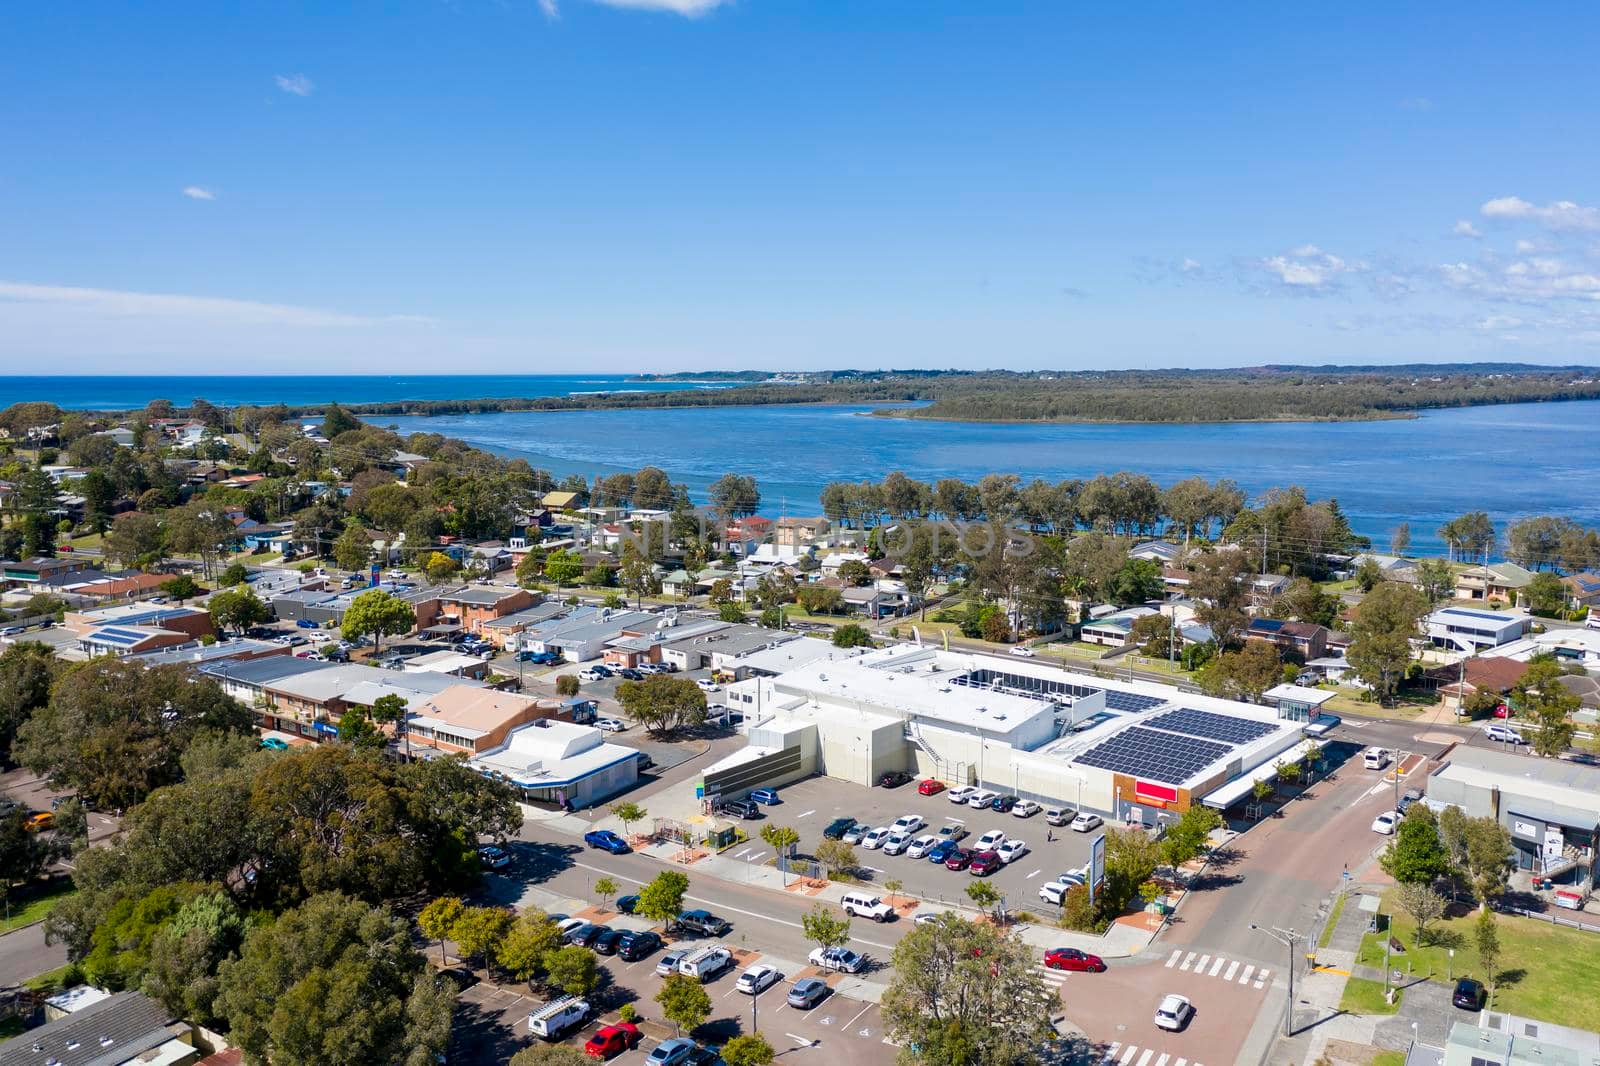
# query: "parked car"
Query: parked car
896,843
929,786
635,946
706,963
710,1055
981,799
613,1040
757,979
1025,809
39,821
741,809
494,858
306,623
1468,995
1086,822
952,831
668,963
991,840
764,796
877,838
707,685
960,794
628,673
704,923
985,863
1385,822
1073,960
1173,1013
1411,797
908,823
275,743
1011,850
555,1020
1503,734
920,847
593,674
856,833
606,840
1003,804
1053,892
959,859
942,851
610,725
838,828
566,925
608,941
893,779
837,959
671,1052
807,993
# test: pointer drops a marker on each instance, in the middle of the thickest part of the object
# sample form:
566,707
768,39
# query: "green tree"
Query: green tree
1486,938
851,635
392,709
779,838
573,969
440,567
1415,855
531,938
1380,640
567,685
550,1055
1488,858
352,549
136,539
1423,904
855,572
1435,580
683,1001
730,612
824,928
820,599
1540,693
661,900
182,587
1221,585
479,932
1131,858
986,896
628,812
1186,838
237,609
23,854
747,1049
663,703
963,994
1154,636
605,888
836,855
563,566
329,982
1369,575
1244,674
439,918
233,574
27,669
187,952
377,614
356,729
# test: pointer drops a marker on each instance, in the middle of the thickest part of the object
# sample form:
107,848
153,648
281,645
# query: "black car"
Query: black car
741,809
584,935
838,828
634,946
630,674
894,779
1468,994
607,942
1003,804
628,904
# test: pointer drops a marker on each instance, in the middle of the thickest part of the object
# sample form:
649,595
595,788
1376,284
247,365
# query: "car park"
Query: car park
929,786
896,843
1086,822
920,847
981,799
959,859
960,794
1073,960
1385,822
1011,851
942,851
612,1040
610,725
838,828
1003,804
876,839
894,779
1468,995
1173,1013
842,959
764,796
606,840
1025,809
807,993
494,858
671,1052
757,979
991,840
636,945
908,823
985,863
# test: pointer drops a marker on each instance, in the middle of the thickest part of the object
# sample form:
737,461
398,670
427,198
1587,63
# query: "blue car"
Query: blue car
766,796
606,840
306,623
941,851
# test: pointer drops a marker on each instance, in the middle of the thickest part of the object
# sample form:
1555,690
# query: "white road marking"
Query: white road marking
808,814
1216,966
743,853
1031,876
1111,1052
1188,960
804,1041
1127,1056
1233,968
1149,1053
1200,967
1162,1061
1261,978
1183,1062
857,1018
1172,960
1244,978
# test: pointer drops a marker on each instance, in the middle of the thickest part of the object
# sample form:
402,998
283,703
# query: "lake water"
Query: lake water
1512,461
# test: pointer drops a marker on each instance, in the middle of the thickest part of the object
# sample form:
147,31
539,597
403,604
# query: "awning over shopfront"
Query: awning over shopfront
1240,787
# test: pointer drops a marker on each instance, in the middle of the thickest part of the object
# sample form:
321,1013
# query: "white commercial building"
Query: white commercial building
560,762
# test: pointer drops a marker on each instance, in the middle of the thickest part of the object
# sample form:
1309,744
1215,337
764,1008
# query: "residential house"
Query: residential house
469,606
1570,646
834,560
467,720
1493,674
679,584
1156,551
1497,581
98,1028
874,602
549,761
1114,630
122,436
1266,588
1583,590
1176,580
798,532
1303,641
1470,630
28,572
561,500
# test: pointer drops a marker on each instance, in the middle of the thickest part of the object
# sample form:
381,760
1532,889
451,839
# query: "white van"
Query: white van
866,905
706,963
1375,759
556,1019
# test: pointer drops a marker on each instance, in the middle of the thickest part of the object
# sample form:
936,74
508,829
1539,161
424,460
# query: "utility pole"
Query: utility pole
1288,938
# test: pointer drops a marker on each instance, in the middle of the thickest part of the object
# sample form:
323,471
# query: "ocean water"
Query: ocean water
122,393
1512,461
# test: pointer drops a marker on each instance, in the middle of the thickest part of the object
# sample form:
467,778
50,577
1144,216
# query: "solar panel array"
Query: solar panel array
1212,726
1131,701
1153,756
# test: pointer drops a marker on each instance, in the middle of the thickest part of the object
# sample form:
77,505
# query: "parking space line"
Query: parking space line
1031,876
852,1021
808,814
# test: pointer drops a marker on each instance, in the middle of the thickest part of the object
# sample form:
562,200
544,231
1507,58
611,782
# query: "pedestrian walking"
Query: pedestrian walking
1049,836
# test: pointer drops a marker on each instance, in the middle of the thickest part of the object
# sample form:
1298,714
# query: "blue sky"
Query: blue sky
526,186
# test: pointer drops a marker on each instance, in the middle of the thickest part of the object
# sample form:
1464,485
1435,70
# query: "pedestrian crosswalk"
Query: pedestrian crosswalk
1133,1055
1220,967
1051,977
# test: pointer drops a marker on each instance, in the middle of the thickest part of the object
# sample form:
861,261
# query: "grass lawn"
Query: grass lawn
1349,701
1158,666
1077,649
88,540
1333,921
1389,1058
1362,996
1547,972
36,908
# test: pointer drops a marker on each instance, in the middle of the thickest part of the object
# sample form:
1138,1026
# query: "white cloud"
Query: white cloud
1494,322
195,192
1189,266
110,302
1463,228
551,11
1559,215
1532,281
295,84
686,8
1307,269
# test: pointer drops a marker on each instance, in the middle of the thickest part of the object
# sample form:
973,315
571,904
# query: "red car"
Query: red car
1074,960
930,787
985,863
612,1040
959,859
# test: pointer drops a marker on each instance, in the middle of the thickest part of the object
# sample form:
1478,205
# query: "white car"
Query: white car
1504,734
990,840
926,918
1086,822
921,846
1385,822
837,959
896,843
960,794
610,725
1012,850
909,823
1022,651
757,979
567,925
1053,892
707,685
1025,809
876,839
981,799
590,675
1173,1013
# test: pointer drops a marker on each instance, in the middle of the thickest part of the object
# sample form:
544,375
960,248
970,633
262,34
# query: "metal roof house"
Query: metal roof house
1469,629
549,761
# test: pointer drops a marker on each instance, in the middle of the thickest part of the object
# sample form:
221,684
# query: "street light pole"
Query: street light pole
1288,938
